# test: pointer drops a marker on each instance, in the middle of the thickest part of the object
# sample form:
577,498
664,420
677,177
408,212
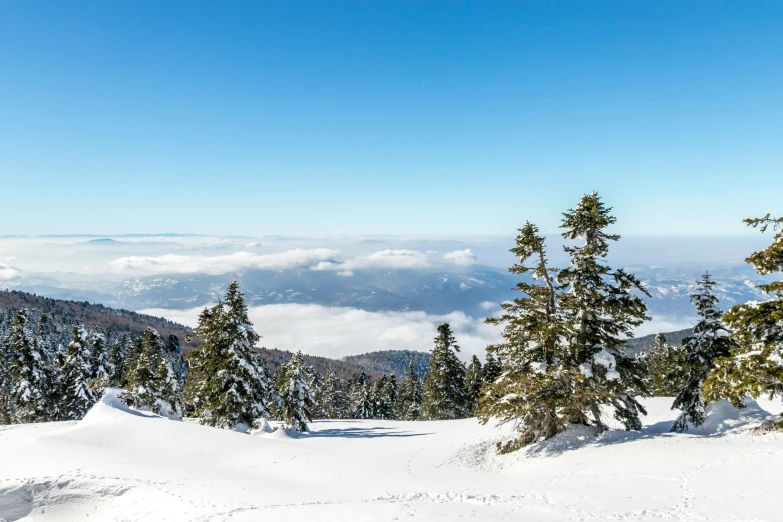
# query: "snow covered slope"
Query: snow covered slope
122,465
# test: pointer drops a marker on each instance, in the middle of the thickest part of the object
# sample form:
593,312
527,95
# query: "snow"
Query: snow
119,464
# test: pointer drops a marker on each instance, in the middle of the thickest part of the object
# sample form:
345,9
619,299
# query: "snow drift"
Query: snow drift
119,464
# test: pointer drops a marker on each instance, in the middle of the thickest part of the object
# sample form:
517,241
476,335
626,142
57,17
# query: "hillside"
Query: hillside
95,315
642,345
391,362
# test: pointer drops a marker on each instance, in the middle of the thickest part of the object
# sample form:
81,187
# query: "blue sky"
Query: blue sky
379,117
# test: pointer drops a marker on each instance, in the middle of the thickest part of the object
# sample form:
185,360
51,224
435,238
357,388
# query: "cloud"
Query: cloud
335,332
6,272
488,305
186,264
380,259
663,323
460,257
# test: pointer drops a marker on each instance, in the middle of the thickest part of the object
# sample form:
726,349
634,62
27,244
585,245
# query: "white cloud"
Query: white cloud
381,259
6,272
487,305
340,331
187,264
460,257
661,323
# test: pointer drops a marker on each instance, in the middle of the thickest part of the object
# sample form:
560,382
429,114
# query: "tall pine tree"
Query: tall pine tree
602,310
226,385
444,395
409,401
76,397
29,373
710,340
296,399
754,367
531,387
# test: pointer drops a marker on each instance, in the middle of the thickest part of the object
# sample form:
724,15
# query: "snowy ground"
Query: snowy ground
121,465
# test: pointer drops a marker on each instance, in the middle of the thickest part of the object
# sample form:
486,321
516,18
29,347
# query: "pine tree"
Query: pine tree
151,381
754,368
116,360
333,397
710,340
226,385
100,363
444,395
474,381
76,396
364,406
602,311
409,402
46,338
532,386
384,395
492,369
29,373
6,410
296,400
662,364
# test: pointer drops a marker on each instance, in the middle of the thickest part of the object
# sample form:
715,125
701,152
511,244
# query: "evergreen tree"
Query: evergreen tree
532,386
151,381
296,400
662,364
474,381
29,373
754,368
444,395
492,369
333,397
602,311
384,395
315,383
226,385
101,370
76,396
46,339
116,360
409,402
364,406
710,340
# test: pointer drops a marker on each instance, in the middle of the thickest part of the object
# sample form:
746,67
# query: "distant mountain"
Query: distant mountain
642,345
391,362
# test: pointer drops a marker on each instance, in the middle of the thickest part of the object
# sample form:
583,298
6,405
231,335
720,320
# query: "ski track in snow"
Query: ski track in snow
114,466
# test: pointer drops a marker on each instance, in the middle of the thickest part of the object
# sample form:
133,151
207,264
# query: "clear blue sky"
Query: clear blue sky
359,117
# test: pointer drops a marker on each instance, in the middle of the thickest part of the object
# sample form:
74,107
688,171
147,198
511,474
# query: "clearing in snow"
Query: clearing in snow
123,465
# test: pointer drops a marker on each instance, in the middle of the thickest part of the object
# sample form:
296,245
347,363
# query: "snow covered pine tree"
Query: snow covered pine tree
444,395
226,385
296,400
710,340
563,359
755,365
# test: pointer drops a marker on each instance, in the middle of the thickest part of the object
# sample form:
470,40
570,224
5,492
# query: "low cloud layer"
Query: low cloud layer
339,331
6,272
187,264
460,257
315,259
